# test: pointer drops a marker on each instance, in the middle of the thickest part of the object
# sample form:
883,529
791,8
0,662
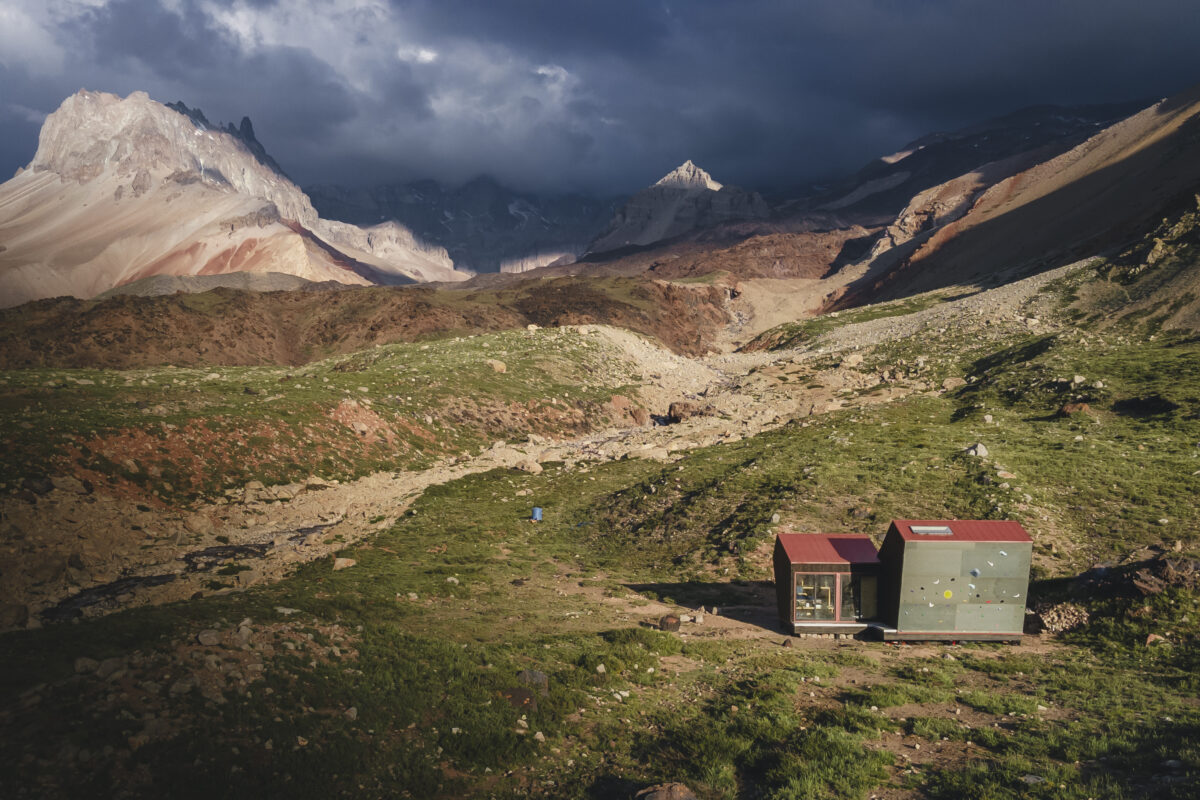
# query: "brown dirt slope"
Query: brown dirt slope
231,327
1106,192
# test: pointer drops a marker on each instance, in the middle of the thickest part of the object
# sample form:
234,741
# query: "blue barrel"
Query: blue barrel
537,514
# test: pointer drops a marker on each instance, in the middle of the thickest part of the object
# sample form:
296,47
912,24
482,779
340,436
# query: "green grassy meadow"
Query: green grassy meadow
470,652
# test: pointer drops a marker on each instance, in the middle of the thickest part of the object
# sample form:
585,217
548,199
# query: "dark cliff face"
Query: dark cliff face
483,225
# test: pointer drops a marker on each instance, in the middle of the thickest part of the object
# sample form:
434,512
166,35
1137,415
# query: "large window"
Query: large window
836,597
816,596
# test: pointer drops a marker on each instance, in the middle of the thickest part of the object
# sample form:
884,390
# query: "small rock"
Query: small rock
66,483
979,450
181,686
285,611
988,418
852,360
343,563
352,713
13,615
198,523
1154,638
109,667
209,638
666,791
1033,780
953,383
453,580
601,669
498,366
787,643
539,737
83,665
530,466
1164,521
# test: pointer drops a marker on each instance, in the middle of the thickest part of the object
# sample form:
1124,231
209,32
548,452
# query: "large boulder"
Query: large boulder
684,409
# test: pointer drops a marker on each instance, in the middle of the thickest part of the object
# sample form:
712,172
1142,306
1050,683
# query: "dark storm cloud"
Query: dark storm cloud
595,94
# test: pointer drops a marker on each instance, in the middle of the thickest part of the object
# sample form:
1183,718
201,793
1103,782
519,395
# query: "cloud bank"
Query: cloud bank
593,95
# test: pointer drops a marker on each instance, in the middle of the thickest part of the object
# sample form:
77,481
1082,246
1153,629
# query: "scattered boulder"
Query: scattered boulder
666,791
198,523
668,622
209,638
38,484
681,410
343,563
530,466
13,615
852,360
67,483
953,383
1074,408
498,366
85,665
978,450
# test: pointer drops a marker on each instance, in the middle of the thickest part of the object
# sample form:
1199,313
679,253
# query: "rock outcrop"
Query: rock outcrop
683,200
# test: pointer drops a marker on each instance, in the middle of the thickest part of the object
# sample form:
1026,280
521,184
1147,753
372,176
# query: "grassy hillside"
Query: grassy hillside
470,652
185,434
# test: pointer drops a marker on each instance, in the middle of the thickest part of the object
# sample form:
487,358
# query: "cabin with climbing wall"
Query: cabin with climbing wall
961,580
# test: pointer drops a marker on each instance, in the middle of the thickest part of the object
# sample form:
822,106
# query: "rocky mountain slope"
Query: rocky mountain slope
1036,134
121,189
1104,193
683,200
484,226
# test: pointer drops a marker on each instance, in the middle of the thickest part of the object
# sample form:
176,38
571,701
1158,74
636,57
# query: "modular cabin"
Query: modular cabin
954,580
825,582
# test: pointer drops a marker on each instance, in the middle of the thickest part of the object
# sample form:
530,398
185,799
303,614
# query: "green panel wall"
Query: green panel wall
967,587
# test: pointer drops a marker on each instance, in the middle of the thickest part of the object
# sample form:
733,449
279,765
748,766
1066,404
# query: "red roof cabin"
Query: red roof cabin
826,582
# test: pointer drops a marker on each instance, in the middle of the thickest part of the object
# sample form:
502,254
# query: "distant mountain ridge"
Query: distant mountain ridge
484,226
685,199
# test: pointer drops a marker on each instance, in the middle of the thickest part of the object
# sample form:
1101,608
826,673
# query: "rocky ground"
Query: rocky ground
78,552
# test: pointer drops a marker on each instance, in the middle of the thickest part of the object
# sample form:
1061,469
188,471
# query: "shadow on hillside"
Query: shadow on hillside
749,602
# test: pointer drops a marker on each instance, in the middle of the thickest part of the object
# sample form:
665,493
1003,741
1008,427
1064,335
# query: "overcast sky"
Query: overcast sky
599,95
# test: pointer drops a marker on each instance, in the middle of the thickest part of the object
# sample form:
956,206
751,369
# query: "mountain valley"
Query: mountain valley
268,480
